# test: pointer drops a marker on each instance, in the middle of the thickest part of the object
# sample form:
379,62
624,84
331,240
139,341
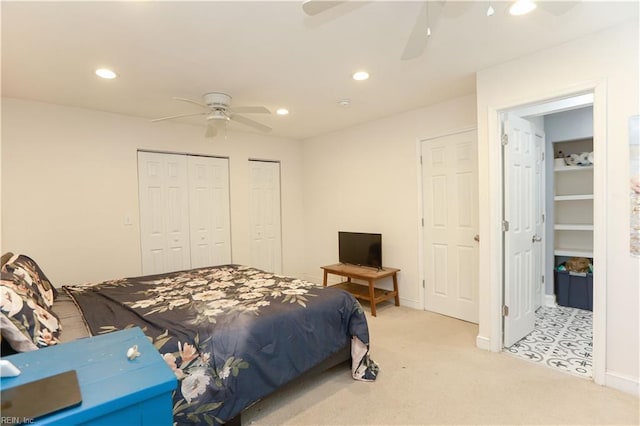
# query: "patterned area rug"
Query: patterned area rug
562,339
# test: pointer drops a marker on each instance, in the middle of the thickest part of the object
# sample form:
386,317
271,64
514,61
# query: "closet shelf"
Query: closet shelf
573,197
572,227
572,168
573,252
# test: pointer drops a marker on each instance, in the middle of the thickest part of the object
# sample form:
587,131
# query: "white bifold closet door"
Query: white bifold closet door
209,220
184,211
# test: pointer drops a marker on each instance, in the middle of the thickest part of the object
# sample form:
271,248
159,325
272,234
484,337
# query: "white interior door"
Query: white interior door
521,260
209,211
539,218
164,214
450,206
264,205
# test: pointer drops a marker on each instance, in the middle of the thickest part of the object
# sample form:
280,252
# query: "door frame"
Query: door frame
419,227
496,267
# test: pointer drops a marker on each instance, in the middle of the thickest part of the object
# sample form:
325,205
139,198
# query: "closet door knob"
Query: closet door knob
476,238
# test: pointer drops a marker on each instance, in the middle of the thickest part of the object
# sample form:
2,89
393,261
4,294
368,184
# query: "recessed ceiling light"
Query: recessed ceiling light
345,103
361,75
282,111
106,73
522,7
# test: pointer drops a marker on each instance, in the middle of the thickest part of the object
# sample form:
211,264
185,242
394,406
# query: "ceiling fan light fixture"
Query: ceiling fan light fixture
522,7
360,75
218,115
106,73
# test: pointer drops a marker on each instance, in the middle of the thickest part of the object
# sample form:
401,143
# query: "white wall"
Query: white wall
365,179
1,181
69,177
569,125
608,60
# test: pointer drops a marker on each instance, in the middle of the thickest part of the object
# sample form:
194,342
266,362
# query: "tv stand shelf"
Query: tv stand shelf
365,292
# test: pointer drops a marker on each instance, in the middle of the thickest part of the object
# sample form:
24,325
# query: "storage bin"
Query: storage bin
574,290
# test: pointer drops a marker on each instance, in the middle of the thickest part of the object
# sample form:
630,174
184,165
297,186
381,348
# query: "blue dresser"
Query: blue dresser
115,390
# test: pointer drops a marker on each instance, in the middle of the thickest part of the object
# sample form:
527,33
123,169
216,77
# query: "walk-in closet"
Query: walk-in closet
563,334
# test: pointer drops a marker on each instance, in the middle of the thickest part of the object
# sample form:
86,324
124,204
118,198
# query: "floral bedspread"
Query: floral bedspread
232,334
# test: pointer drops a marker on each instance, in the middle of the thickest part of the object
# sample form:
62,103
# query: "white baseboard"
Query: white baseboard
310,278
550,300
622,383
483,343
413,304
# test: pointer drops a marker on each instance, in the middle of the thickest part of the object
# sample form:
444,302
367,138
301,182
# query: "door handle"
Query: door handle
536,239
476,238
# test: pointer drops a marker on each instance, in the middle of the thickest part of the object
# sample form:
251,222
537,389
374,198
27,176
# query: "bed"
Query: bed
232,334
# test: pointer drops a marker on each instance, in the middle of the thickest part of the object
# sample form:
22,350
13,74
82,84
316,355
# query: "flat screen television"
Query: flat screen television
360,248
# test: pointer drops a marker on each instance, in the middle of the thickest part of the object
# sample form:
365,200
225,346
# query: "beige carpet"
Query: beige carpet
432,373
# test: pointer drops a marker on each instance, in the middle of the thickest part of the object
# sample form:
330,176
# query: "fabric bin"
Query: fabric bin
574,289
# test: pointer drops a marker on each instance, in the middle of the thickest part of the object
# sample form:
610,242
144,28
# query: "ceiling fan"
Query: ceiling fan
217,112
427,18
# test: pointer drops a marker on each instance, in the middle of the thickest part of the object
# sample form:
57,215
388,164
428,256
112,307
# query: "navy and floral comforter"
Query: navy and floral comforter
232,334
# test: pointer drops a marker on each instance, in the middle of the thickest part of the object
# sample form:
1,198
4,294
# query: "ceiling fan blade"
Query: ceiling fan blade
249,122
178,116
251,110
427,19
313,7
418,37
211,131
557,7
190,101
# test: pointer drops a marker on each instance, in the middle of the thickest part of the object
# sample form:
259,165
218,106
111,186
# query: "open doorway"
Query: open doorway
548,233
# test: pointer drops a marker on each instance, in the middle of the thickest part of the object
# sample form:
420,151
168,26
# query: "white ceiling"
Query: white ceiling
269,53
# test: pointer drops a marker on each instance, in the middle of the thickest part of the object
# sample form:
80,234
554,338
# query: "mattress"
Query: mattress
71,319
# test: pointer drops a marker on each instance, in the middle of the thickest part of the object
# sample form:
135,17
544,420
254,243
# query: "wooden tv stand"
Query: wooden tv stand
369,293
